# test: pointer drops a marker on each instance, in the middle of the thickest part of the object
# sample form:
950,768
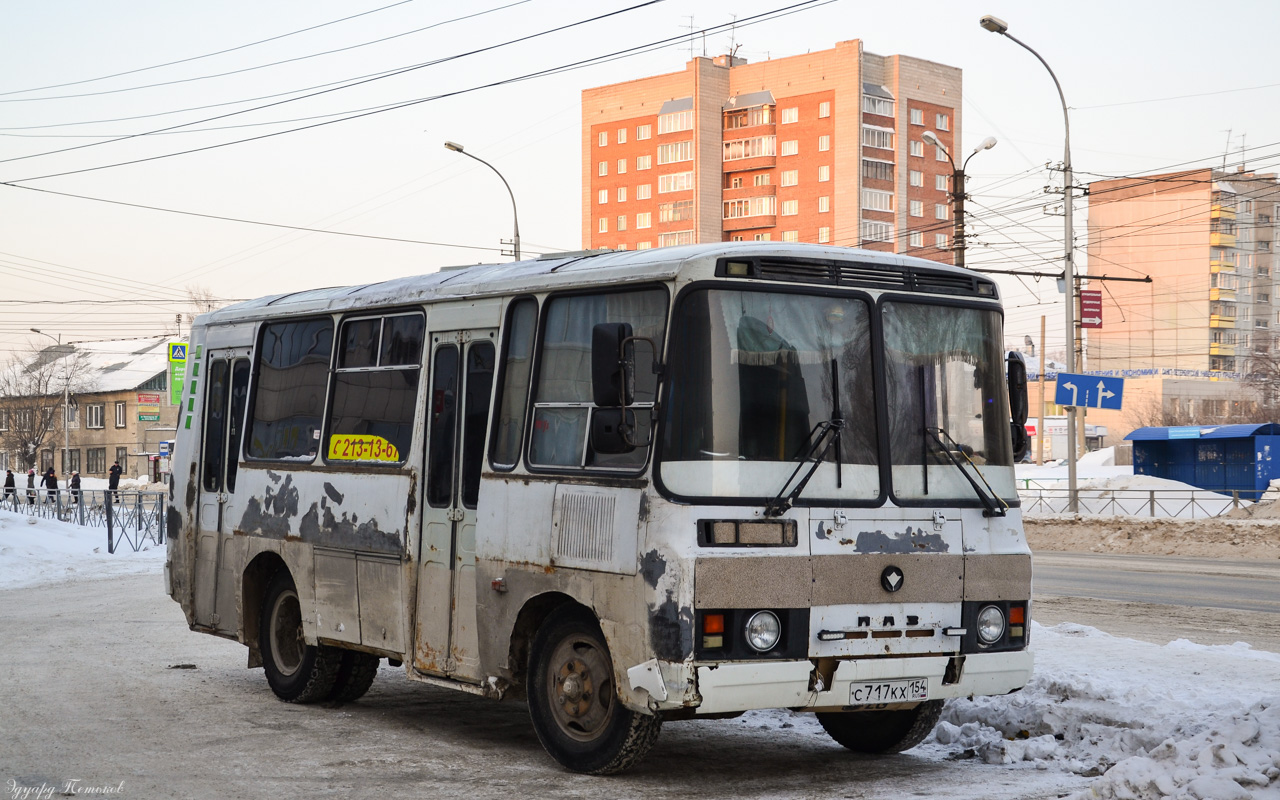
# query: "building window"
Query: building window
622,166
70,461
159,383
622,223
824,143
789,148
789,115
939,211
750,148
675,182
602,196
675,152
944,122
4,419
917,239
747,117
824,173
917,178
643,162
917,116
762,179
94,415
940,241
939,154
791,236
762,237
644,245
917,149
881,138
603,226
676,122
735,182
604,138
824,204
875,231
824,235
750,207
121,419
790,177
877,170
644,191
940,182
96,460
824,109
917,208
644,220
876,200
790,208
603,169
675,238
643,132
877,105
622,135
675,212
621,246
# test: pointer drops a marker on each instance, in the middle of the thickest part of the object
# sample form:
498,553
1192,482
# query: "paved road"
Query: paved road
1162,580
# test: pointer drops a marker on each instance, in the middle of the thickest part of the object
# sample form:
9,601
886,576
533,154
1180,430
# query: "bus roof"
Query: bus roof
555,271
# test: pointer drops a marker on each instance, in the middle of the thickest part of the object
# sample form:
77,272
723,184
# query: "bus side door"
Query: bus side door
227,392
462,368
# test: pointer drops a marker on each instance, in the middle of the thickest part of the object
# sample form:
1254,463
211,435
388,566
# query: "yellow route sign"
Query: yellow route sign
361,447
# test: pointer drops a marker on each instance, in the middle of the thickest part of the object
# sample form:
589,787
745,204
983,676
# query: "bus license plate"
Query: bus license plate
912,691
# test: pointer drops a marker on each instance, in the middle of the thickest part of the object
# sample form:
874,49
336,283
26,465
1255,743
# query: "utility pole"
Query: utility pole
957,189
1040,417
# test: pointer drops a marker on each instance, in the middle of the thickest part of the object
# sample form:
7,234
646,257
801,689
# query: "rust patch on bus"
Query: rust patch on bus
912,540
653,566
671,630
333,494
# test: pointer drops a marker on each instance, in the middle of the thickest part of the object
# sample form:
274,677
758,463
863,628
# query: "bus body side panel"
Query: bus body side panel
180,521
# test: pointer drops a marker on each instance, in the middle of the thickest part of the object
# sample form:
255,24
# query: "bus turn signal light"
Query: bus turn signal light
713,623
1017,615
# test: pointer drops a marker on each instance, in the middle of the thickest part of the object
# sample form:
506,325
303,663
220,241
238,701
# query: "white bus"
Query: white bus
629,487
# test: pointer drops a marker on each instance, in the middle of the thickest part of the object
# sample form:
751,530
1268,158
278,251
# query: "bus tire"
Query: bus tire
882,731
356,672
296,671
574,704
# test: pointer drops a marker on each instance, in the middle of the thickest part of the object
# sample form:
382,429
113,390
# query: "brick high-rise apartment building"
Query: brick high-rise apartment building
821,147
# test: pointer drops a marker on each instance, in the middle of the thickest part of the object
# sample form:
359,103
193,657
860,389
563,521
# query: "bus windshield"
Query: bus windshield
752,377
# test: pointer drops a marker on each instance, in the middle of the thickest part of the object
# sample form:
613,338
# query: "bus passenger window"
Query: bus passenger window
293,378
443,414
508,426
215,426
475,413
375,389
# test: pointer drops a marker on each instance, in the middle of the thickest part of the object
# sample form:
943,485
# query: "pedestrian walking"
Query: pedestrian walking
113,480
31,486
50,482
10,487
75,487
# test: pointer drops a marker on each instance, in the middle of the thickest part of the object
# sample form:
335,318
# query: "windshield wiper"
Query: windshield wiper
995,505
831,432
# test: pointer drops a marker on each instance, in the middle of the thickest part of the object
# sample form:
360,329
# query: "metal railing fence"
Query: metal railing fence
1166,503
131,518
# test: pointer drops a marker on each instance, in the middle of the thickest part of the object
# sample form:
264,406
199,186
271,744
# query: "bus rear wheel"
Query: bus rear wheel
296,671
574,704
355,675
882,731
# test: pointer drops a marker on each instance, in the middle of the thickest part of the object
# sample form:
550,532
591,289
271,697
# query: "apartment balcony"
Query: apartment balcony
748,164
1219,265
1221,212
744,192
1216,349
1222,294
1219,321
1217,239
746,223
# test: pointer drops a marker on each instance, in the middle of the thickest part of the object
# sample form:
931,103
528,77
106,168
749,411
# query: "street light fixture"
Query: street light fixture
997,25
66,402
515,238
957,187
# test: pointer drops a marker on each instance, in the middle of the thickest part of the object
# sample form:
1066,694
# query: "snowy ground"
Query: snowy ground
1104,716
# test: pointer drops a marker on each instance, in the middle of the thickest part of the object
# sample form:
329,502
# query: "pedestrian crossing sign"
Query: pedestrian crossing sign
177,351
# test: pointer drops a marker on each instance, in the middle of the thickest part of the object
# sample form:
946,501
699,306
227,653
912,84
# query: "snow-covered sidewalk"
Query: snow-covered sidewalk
34,550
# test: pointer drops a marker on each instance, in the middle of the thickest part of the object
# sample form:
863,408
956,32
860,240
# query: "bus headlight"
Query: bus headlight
763,630
990,625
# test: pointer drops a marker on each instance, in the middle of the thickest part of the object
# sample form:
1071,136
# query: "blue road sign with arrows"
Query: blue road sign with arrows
1090,391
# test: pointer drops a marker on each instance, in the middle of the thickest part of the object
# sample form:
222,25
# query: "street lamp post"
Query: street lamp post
515,238
66,402
957,187
997,25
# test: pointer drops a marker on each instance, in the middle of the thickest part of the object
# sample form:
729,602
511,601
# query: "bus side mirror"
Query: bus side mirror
613,365
1018,404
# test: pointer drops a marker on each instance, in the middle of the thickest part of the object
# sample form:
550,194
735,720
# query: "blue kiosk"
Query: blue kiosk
1222,458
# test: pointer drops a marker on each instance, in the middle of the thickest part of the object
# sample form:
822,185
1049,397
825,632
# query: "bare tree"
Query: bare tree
1264,378
31,392
201,299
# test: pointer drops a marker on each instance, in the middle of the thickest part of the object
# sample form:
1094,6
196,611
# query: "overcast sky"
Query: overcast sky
387,174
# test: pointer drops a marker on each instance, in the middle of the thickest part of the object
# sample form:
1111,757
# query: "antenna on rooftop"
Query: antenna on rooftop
690,27
1226,151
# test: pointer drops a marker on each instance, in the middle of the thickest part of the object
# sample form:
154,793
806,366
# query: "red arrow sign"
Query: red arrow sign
1090,309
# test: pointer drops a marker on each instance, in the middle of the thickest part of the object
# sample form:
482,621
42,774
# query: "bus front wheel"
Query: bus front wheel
296,671
882,731
574,704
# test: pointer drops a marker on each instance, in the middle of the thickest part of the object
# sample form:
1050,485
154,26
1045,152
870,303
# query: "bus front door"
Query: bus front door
445,641
227,391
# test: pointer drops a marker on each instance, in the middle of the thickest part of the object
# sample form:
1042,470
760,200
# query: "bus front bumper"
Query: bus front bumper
785,684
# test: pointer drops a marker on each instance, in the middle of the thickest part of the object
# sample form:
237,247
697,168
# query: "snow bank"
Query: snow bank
1179,720
34,550
1105,457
